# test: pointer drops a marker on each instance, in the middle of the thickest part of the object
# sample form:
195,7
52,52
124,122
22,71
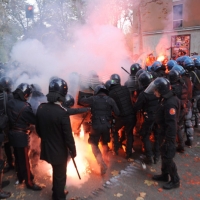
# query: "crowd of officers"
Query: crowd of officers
165,105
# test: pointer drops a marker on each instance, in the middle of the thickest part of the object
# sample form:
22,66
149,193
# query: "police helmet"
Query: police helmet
174,76
6,83
145,79
180,69
59,86
188,64
69,101
161,84
115,79
139,72
134,68
156,66
197,62
149,68
181,59
170,64
108,84
100,88
25,88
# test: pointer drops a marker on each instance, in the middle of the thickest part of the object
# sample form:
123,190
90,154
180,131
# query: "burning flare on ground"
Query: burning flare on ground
84,160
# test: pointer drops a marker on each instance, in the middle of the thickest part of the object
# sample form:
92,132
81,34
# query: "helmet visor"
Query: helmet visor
151,88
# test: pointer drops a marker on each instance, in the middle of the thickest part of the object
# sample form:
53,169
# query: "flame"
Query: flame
160,58
83,161
82,132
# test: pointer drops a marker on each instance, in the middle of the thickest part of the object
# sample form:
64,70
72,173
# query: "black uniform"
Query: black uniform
3,194
188,117
20,117
148,103
126,118
195,75
54,128
101,109
180,89
169,114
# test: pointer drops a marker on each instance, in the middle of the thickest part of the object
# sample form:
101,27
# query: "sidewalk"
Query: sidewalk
124,180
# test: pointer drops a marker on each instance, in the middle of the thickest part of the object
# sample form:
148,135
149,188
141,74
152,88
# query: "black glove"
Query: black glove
73,153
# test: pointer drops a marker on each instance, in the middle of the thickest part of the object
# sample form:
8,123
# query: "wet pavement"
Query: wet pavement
124,180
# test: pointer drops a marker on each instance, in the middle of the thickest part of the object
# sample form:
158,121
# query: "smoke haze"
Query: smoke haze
96,46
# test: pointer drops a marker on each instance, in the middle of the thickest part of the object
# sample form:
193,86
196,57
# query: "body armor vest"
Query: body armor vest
101,107
121,95
151,104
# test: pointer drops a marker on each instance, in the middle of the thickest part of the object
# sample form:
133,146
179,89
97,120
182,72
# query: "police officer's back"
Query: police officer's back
148,103
102,107
54,128
126,118
21,116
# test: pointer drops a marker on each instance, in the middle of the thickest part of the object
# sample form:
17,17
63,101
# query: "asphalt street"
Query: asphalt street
124,180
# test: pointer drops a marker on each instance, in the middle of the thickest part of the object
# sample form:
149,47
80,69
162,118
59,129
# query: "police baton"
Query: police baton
125,70
82,120
75,166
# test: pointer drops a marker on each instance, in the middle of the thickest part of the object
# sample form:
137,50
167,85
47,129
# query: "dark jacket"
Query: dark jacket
121,96
168,115
54,128
20,116
102,107
148,103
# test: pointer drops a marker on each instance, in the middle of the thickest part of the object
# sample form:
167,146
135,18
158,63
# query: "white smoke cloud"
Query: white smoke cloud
96,46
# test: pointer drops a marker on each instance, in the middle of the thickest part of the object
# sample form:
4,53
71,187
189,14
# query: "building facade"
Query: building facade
167,27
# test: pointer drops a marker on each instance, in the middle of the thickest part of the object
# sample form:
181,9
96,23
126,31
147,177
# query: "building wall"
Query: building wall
157,26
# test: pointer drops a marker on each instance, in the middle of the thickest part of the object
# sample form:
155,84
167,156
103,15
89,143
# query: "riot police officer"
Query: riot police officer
3,97
21,116
188,65
54,128
148,103
6,84
169,114
132,82
195,75
180,89
101,108
127,116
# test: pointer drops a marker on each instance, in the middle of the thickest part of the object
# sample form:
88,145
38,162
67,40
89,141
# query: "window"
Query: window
177,16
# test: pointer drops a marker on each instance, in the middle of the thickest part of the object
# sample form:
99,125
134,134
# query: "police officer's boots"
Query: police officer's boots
188,142
162,177
3,194
174,183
